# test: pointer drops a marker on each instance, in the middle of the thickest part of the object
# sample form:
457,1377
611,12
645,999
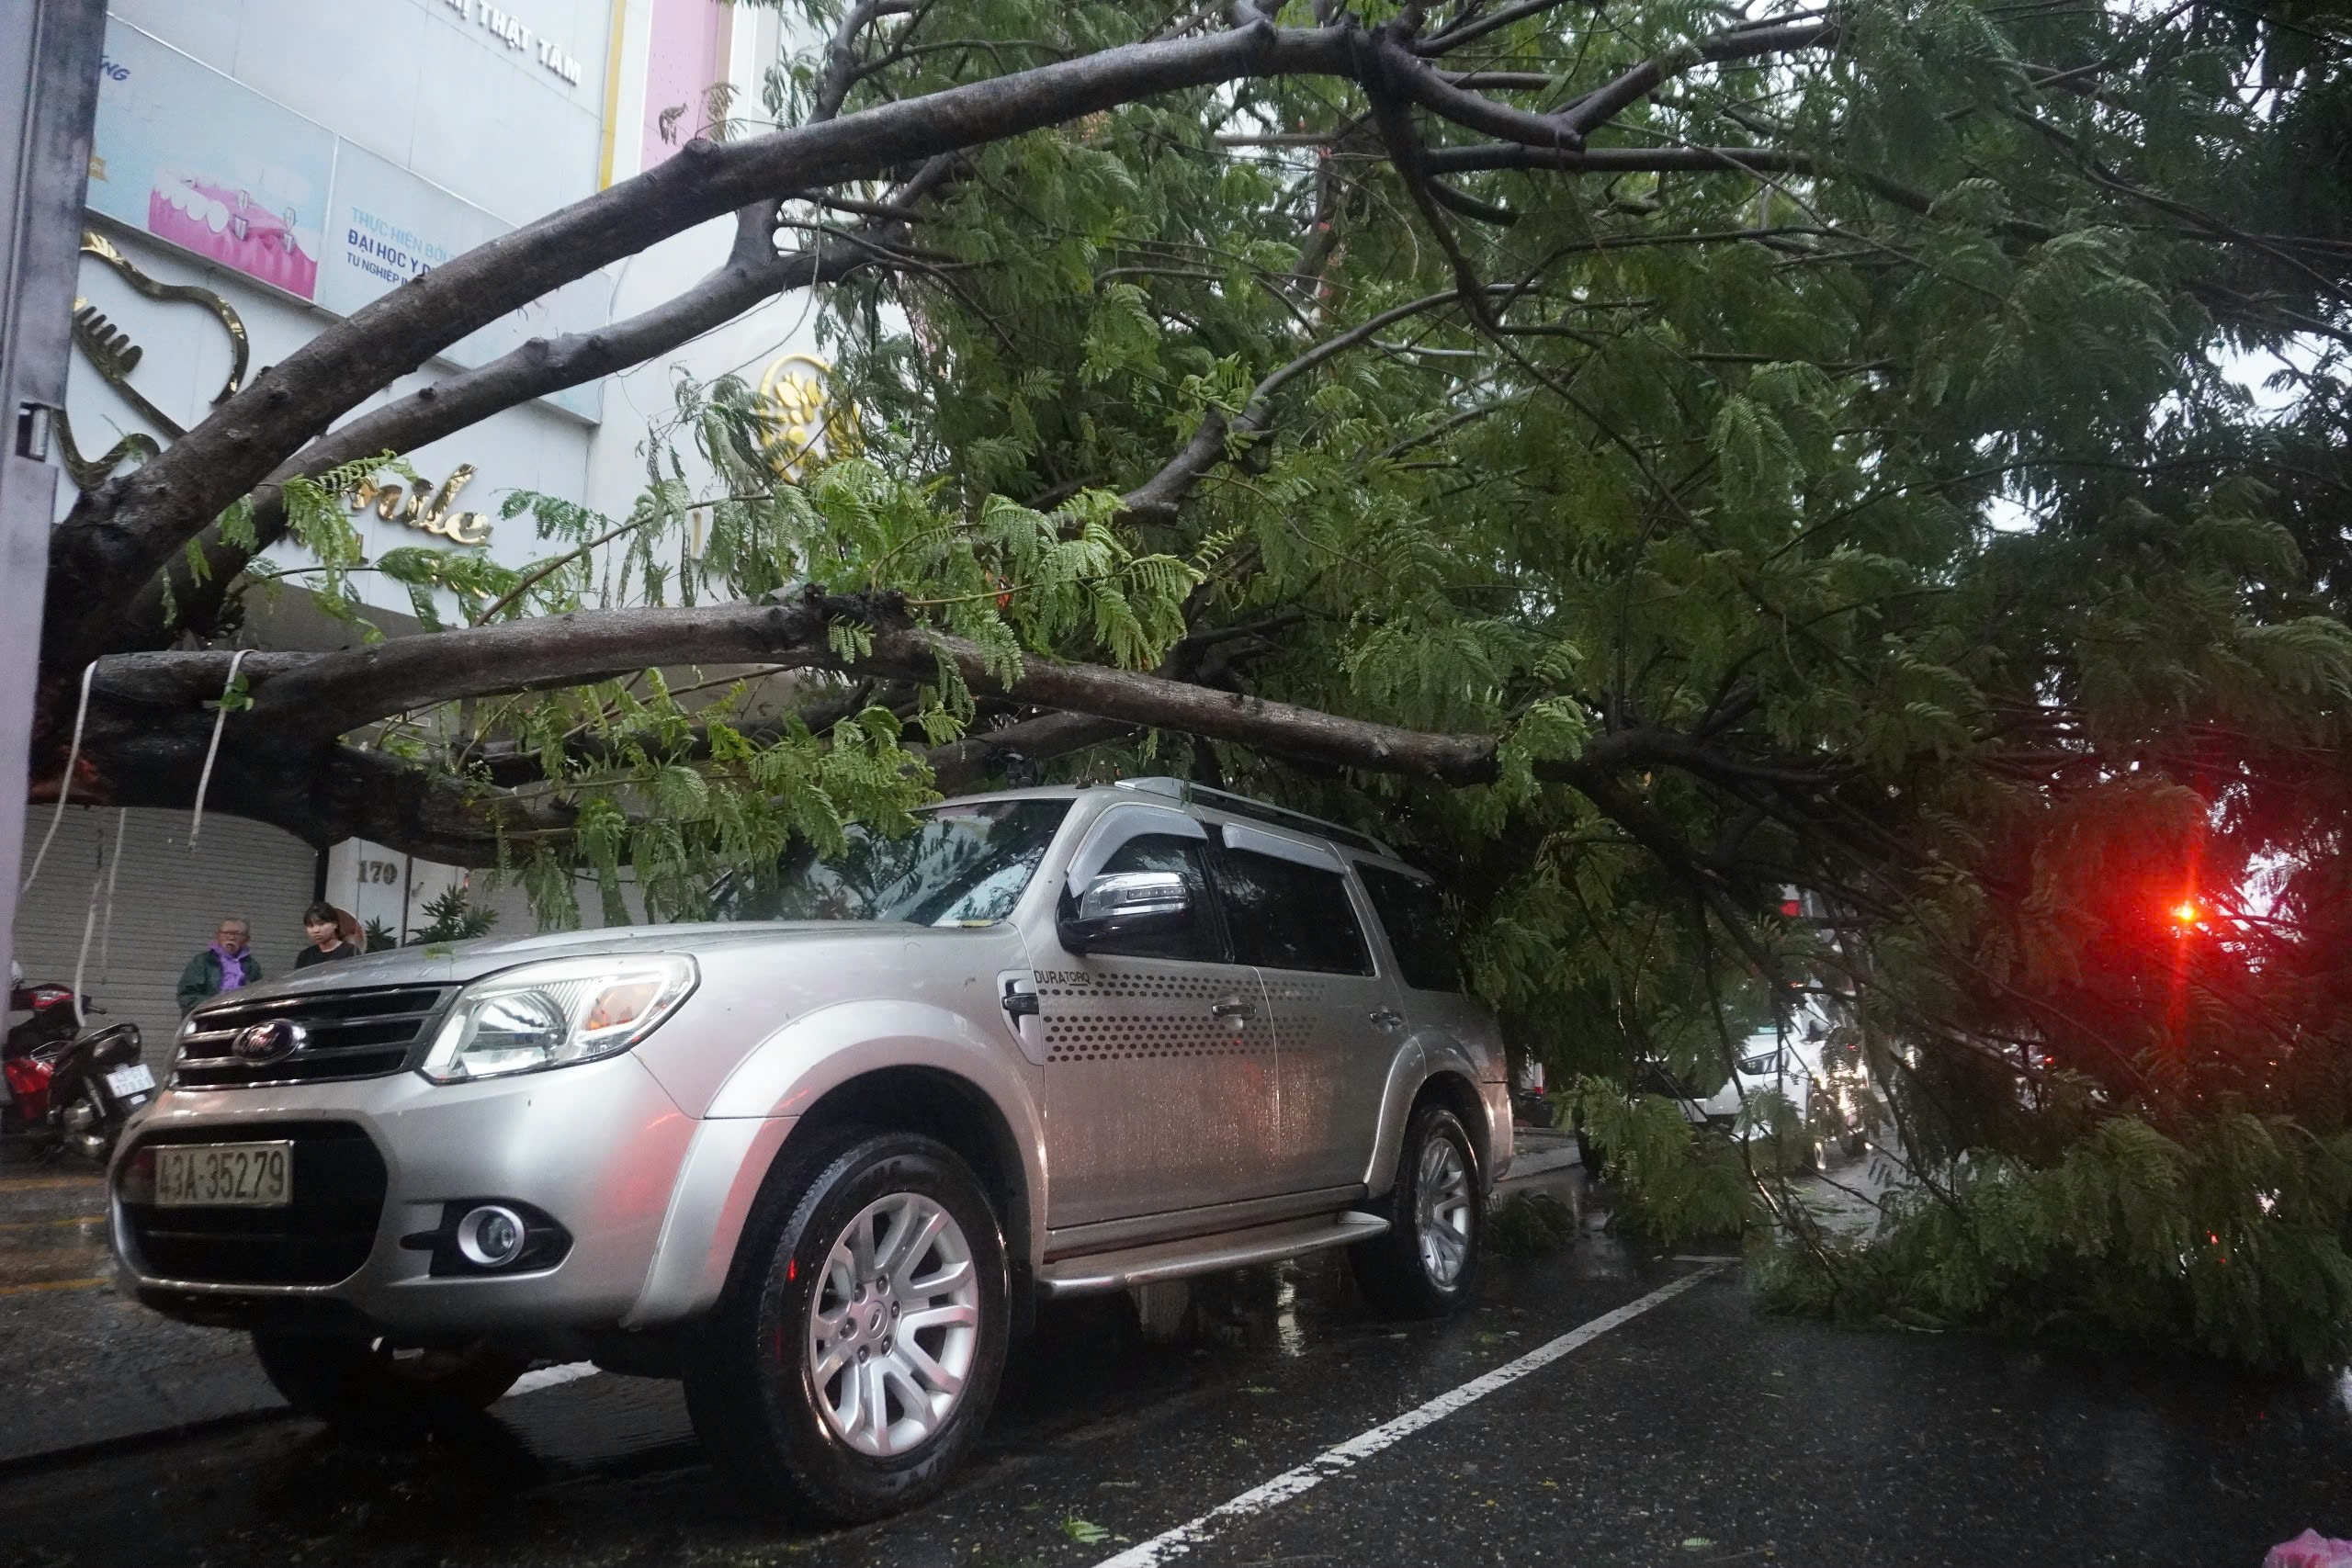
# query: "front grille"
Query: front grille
336,1184
350,1034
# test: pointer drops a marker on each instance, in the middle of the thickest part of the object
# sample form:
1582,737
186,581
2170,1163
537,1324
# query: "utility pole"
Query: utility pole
49,100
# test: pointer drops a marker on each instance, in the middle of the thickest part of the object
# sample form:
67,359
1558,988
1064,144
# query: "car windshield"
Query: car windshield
964,864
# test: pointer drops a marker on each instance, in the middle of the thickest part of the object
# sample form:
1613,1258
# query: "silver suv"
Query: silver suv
819,1159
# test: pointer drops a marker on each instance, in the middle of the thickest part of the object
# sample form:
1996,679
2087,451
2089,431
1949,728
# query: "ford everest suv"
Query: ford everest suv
819,1158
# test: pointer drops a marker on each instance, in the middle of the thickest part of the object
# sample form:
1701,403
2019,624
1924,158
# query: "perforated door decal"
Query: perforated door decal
1297,1004
1093,1016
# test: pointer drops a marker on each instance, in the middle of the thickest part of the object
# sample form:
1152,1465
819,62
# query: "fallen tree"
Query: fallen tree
1647,459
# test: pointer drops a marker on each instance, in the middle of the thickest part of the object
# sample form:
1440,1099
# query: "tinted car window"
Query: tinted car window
1413,917
1165,851
1288,916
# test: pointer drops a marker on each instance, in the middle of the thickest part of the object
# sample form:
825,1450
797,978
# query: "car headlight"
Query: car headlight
555,1013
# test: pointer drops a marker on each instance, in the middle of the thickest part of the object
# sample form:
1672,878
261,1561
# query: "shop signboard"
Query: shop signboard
387,226
185,155
203,162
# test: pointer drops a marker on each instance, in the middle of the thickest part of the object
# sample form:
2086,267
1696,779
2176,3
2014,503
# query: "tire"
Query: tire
1425,1264
776,1397
367,1389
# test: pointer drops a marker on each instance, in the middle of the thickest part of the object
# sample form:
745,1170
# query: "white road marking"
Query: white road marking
1172,1544
549,1377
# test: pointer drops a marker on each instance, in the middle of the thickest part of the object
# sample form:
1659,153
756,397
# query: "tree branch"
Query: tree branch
120,536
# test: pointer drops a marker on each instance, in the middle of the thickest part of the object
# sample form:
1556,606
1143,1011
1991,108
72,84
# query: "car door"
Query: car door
1287,903
1444,1027
1161,1088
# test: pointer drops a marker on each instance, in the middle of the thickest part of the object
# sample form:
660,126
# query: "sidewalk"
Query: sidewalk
1539,1151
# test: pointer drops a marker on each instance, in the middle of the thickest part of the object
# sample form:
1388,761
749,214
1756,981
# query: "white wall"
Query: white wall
372,882
745,346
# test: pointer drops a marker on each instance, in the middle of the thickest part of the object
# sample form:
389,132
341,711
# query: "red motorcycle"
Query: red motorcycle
64,1086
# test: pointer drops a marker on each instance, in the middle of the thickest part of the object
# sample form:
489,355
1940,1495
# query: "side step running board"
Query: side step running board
1203,1254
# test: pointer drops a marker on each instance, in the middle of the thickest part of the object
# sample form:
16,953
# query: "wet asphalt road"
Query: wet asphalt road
1697,1433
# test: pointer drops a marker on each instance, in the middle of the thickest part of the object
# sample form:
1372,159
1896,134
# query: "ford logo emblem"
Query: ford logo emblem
269,1041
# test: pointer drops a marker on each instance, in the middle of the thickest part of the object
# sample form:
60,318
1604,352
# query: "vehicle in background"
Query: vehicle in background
1807,1063
64,1089
1529,1105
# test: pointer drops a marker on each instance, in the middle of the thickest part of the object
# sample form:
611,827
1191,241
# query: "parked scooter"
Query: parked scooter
63,1087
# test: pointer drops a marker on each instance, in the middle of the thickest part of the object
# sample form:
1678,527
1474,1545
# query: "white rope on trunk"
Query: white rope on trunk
66,785
82,955
106,943
219,718
106,932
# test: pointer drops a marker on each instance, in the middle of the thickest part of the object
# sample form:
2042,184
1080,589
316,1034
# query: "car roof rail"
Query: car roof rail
1263,811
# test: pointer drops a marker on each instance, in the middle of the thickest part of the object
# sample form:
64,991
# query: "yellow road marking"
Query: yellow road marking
20,1261
52,1285
43,1224
47,1183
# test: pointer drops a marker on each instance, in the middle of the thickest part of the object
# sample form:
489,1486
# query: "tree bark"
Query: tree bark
282,758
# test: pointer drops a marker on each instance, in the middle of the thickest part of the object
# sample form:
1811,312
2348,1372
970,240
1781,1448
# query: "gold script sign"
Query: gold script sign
111,353
797,409
427,509
114,357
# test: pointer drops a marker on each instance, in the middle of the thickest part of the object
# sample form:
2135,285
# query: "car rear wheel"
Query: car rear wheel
374,1389
1427,1262
851,1363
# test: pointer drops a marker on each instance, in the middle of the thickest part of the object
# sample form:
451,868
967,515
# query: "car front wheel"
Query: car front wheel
1427,1261
849,1366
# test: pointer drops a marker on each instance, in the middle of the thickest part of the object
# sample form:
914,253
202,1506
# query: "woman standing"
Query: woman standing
324,928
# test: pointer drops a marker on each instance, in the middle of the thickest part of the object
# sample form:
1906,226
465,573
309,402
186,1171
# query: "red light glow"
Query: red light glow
2186,912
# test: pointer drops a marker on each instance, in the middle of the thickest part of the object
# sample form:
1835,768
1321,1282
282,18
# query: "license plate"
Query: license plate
128,1081
224,1176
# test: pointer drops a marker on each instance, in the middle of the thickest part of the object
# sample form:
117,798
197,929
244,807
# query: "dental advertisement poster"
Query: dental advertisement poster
188,156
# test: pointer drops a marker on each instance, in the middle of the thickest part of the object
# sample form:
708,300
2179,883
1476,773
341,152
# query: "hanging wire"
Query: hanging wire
106,932
66,785
89,925
113,863
219,718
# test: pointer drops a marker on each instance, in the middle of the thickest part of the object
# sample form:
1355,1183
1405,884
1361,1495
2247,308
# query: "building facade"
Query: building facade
262,168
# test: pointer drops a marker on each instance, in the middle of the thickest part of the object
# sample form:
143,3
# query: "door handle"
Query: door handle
1232,1009
1019,1004
1388,1018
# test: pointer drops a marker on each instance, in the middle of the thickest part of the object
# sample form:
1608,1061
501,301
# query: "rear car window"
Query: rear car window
1283,915
1414,918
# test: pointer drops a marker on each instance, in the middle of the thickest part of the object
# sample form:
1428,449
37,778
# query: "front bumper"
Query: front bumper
598,1147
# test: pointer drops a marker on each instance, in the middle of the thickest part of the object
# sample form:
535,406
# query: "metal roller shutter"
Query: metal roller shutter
167,902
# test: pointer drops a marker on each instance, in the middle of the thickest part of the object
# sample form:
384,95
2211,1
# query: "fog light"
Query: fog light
491,1236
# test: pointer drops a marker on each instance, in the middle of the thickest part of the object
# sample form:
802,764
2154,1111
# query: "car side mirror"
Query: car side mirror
1127,904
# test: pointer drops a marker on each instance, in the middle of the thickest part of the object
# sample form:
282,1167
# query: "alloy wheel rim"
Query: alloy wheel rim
1442,1213
894,1326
